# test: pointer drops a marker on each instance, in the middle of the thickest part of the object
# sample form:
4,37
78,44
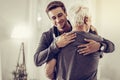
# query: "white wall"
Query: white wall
9,57
108,20
0,66
9,47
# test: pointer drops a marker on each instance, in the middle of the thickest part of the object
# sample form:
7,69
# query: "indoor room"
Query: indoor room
22,23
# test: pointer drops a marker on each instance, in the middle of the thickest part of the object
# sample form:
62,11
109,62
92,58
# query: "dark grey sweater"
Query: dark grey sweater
47,49
74,66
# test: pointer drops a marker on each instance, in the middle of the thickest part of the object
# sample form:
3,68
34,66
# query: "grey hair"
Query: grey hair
77,14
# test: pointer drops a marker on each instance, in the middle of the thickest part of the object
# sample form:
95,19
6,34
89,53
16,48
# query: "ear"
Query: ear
85,20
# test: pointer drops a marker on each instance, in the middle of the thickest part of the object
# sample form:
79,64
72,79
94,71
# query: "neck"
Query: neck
80,28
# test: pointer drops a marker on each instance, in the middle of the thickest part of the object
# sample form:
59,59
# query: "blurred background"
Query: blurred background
25,20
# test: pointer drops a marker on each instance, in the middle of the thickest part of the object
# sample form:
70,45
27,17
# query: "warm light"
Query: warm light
21,32
39,18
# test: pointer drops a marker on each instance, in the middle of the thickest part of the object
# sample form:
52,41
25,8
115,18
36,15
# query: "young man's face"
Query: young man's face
59,18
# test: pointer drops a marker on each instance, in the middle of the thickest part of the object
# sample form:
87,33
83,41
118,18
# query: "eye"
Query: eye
60,14
53,18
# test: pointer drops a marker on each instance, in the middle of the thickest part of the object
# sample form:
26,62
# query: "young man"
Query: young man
49,48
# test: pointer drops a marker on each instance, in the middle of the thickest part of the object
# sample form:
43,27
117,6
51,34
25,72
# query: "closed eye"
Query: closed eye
60,14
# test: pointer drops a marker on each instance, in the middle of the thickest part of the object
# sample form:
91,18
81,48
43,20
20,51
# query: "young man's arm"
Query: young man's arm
48,48
105,46
45,51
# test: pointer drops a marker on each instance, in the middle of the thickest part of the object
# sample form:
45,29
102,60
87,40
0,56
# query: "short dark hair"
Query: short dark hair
55,4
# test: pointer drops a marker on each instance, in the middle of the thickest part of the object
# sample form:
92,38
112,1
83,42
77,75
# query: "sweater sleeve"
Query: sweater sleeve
45,51
109,46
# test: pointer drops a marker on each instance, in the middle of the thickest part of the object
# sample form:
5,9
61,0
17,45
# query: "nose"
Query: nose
58,20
